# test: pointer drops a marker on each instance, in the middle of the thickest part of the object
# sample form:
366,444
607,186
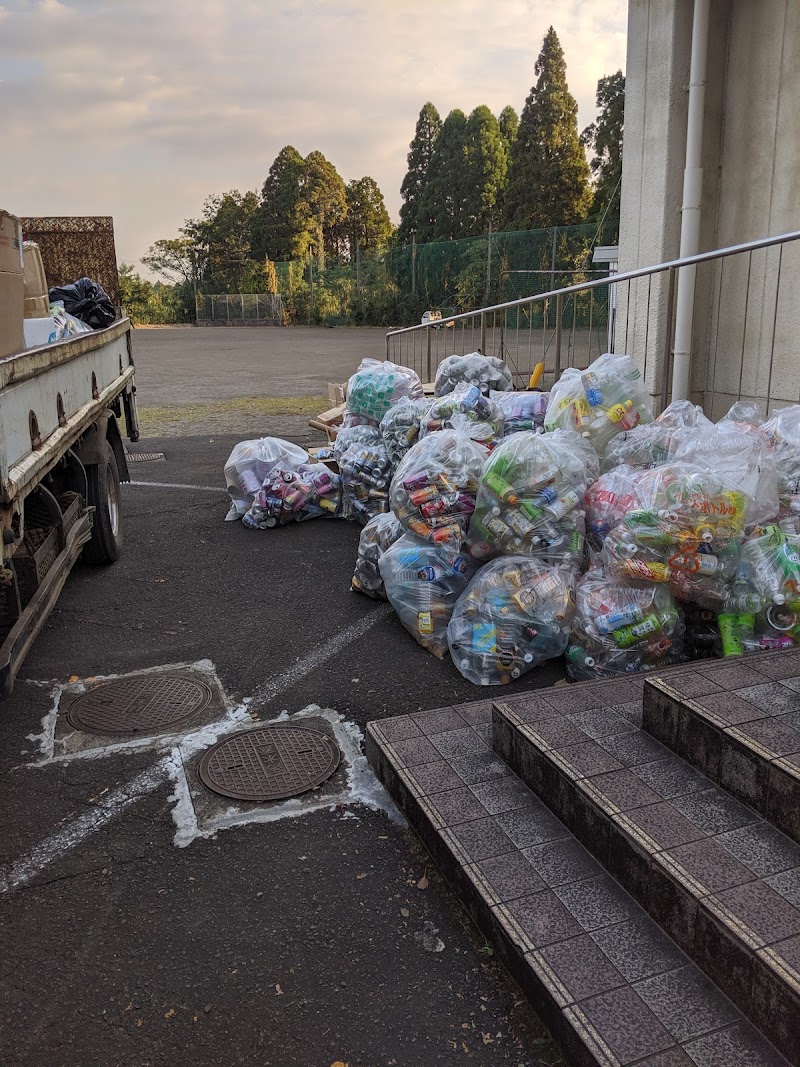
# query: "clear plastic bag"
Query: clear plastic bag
366,434
67,325
620,627
515,614
400,426
376,385
366,473
530,500
465,409
608,500
487,372
771,568
433,490
294,495
249,465
783,432
377,537
423,582
606,399
522,411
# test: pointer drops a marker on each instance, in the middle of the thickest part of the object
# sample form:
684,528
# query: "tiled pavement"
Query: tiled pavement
626,892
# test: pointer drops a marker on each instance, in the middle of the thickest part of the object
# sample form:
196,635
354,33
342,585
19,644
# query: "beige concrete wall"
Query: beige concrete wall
747,311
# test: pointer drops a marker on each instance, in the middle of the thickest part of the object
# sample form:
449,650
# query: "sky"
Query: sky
140,109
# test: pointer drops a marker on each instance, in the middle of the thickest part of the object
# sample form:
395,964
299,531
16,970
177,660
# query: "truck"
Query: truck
62,460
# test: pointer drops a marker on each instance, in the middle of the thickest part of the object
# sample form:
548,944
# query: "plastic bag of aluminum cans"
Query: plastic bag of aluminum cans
621,627
377,537
366,473
530,499
423,582
433,489
648,446
487,372
367,434
288,495
400,426
376,385
522,411
468,410
515,614
606,399
251,463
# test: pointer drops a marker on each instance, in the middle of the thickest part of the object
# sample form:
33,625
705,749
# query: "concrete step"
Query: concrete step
739,723
719,879
611,986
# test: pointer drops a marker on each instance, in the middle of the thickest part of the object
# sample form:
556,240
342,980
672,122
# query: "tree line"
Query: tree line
466,176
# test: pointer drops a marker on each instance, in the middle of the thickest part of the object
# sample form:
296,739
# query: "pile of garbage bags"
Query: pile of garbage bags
468,410
486,372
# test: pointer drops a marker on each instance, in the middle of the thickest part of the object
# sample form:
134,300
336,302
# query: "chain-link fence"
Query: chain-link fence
239,309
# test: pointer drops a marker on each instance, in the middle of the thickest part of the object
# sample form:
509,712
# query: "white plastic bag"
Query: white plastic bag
376,385
251,462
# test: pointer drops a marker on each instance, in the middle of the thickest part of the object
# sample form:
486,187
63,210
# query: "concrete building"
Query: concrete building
746,319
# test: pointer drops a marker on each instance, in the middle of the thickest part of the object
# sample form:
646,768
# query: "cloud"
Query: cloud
140,109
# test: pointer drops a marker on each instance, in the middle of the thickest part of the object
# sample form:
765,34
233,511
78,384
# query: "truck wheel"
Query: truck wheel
104,496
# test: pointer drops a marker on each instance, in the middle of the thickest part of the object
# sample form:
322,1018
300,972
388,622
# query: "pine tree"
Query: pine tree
486,166
441,214
548,181
604,138
277,227
420,151
368,224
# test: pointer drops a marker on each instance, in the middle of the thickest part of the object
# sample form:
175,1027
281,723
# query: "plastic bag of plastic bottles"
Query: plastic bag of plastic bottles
376,385
620,627
522,411
681,413
783,432
515,614
771,566
606,399
366,473
740,454
530,500
433,489
250,464
400,426
467,410
423,582
310,491
377,537
648,446
487,372
608,500
685,531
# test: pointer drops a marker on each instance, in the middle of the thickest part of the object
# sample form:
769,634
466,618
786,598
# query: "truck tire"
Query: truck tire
104,496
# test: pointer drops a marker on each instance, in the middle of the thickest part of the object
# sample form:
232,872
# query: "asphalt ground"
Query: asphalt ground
304,941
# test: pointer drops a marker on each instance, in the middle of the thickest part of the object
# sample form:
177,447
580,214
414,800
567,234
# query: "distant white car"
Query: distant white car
433,318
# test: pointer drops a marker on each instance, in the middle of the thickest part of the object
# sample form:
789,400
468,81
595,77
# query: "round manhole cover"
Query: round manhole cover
138,705
269,763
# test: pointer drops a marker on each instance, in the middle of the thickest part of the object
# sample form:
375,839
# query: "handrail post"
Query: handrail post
666,369
483,333
428,354
559,312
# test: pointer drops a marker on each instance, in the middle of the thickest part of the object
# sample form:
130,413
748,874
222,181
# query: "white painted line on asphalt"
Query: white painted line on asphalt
176,485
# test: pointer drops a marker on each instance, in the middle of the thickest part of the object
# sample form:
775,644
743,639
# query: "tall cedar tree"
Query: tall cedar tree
485,172
367,225
420,152
509,124
322,207
549,177
604,138
441,215
278,226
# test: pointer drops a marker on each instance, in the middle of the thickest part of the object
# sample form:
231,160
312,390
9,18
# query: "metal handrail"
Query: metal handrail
611,279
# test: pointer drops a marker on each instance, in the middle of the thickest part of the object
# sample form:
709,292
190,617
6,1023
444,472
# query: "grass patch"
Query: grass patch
153,417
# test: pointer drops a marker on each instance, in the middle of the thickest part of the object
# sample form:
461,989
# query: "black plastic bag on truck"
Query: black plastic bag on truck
87,301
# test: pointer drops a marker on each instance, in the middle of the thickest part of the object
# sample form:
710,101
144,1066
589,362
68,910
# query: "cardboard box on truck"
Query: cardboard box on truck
12,285
37,302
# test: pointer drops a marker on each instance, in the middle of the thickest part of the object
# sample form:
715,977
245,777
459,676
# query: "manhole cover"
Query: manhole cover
269,763
138,705
140,457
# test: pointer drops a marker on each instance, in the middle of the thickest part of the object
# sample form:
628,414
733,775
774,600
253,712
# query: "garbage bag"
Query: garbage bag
530,498
515,614
522,411
249,465
606,399
400,426
376,385
619,627
66,325
783,433
377,537
423,582
649,445
310,491
87,301
771,567
366,473
467,410
366,434
608,500
433,490
487,372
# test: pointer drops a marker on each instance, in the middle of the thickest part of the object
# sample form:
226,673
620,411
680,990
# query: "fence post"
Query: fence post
428,356
666,370
559,313
483,333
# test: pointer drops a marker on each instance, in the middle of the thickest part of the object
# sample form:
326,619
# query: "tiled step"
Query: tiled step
740,725
613,989
722,882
